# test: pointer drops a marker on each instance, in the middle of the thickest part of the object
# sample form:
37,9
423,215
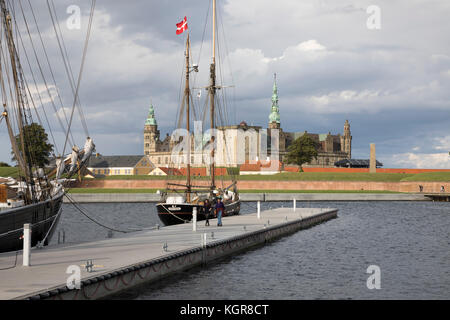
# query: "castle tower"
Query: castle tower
346,140
151,133
274,117
274,121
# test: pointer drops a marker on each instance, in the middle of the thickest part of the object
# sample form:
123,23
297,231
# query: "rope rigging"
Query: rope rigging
40,68
83,59
23,97
67,65
84,213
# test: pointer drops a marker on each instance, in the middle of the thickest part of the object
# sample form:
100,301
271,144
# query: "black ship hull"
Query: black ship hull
41,216
171,214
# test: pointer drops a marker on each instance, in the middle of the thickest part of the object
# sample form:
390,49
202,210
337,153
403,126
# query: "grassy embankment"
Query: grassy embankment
429,177
287,176
99,190
9,172
304,176
312,176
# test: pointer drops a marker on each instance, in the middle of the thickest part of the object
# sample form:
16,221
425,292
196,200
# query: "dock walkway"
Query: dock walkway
123,262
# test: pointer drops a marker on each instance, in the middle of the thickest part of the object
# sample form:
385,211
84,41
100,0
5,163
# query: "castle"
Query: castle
232,151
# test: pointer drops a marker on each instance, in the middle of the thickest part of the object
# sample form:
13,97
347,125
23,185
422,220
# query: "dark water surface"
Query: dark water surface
409,241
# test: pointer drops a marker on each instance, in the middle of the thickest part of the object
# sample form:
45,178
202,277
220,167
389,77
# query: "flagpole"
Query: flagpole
187,96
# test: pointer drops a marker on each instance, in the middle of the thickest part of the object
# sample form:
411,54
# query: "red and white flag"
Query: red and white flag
182,26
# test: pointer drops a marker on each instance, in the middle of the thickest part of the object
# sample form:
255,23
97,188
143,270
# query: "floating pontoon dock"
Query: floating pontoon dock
126,261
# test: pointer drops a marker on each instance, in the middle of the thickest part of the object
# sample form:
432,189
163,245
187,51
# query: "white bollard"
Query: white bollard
203,240
194,219
295,204
258,209
26,245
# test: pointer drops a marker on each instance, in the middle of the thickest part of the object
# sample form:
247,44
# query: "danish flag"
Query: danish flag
182,26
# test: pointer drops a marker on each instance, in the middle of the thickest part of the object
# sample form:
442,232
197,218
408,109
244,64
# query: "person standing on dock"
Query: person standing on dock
206,211
219,211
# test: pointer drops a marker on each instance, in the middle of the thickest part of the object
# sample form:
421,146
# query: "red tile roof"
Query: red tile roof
261,164
171,171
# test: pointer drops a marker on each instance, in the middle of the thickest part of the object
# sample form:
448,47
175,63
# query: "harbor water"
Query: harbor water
408,241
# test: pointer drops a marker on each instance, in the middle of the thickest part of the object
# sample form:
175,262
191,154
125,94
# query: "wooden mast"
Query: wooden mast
21,157
212,91
187,97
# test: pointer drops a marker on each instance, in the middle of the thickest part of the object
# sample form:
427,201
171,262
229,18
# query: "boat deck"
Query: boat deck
141,257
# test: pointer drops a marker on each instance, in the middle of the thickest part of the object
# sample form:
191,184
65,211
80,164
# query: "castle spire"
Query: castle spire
274,116
347,129
347,139
151,121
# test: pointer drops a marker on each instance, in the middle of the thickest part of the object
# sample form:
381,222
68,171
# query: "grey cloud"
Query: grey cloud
135,56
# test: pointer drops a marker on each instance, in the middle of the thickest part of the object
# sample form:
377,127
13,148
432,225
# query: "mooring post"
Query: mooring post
194,219
203,240
26,244
295,204
258,209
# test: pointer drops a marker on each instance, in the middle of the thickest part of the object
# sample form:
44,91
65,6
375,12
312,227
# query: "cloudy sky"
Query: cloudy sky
392,83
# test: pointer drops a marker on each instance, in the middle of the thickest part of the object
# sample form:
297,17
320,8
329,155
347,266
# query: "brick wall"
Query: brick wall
278,185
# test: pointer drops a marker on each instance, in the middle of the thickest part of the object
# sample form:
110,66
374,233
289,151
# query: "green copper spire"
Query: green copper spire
151,121
275,113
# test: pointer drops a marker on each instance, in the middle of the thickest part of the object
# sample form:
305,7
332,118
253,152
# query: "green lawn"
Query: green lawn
98,190
316,191
328,176
133,177
285,176
9,172
429,176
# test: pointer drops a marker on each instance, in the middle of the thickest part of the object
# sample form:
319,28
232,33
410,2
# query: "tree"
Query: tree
4,164
302,150
36,144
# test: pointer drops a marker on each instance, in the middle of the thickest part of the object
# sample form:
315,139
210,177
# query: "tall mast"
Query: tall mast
187,96
21,158
214,32
213,93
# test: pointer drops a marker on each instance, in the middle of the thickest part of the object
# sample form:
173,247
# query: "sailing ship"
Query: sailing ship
35,196
180,200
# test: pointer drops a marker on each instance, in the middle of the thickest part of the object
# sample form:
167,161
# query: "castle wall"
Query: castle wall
404,186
